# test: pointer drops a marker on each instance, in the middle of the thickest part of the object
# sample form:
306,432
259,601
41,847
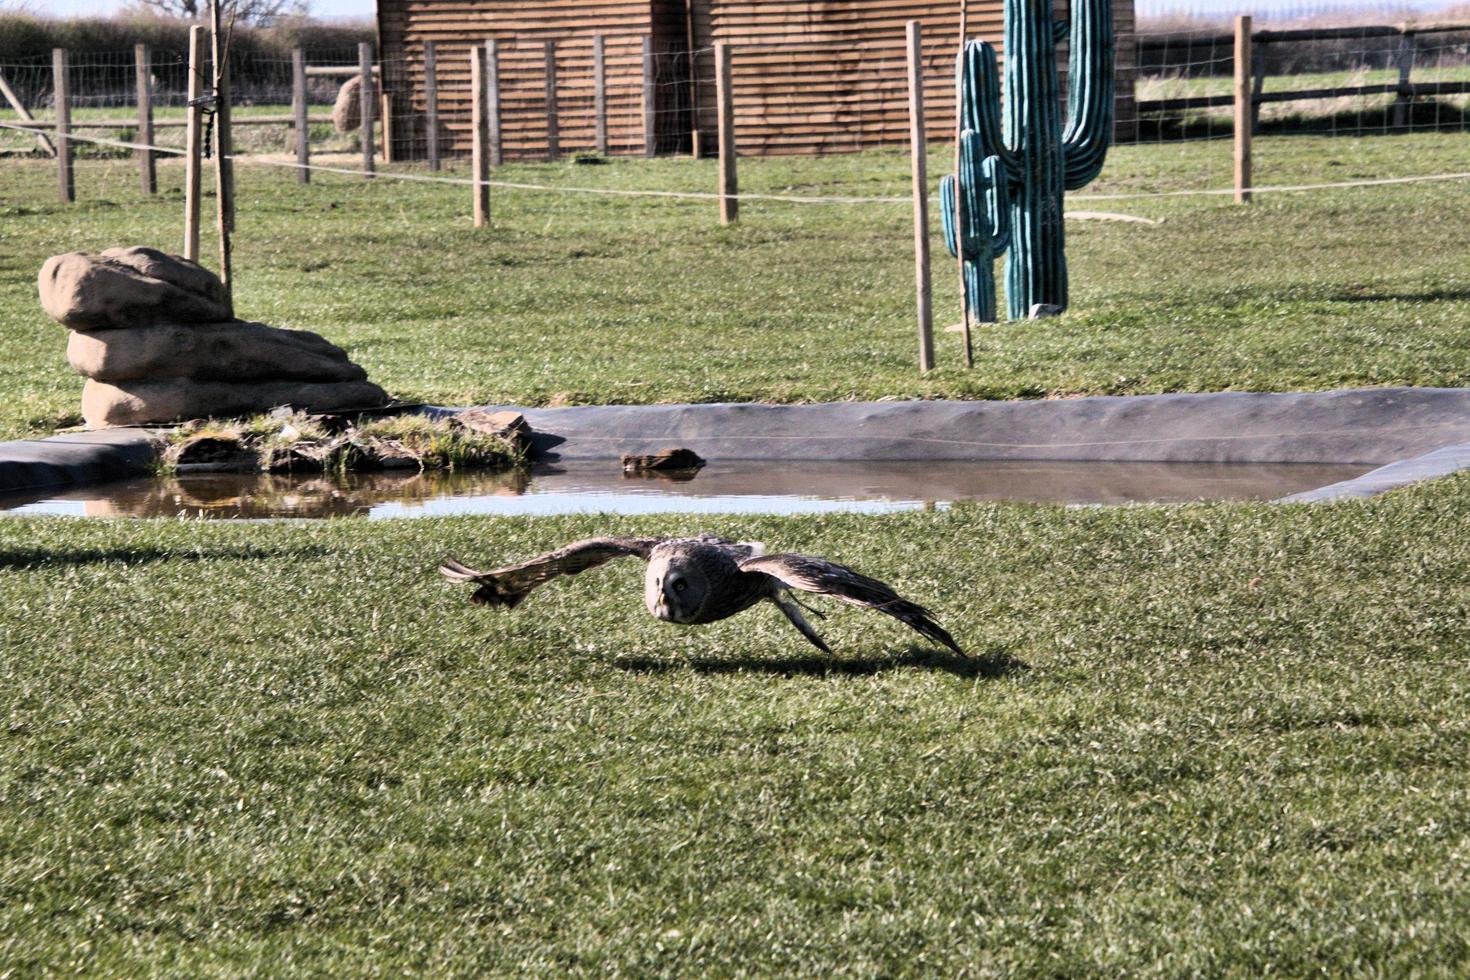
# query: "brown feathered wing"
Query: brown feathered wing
508,586
828,578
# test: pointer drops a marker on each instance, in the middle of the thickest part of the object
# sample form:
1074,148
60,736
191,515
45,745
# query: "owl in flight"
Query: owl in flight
704,579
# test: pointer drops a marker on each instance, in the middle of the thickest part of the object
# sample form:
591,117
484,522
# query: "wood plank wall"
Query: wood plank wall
811,76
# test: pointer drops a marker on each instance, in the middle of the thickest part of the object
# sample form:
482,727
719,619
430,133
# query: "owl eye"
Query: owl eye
679,586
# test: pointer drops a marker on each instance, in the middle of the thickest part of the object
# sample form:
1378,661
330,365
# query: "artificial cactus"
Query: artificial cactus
1030,159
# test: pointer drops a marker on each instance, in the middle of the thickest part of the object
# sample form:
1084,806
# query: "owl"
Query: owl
705,579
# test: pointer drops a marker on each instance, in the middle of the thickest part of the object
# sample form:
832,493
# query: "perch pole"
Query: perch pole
959,218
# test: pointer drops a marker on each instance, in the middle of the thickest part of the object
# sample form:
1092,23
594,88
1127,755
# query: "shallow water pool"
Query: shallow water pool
740,487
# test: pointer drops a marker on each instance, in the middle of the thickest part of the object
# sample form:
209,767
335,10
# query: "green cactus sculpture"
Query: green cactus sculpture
1024,165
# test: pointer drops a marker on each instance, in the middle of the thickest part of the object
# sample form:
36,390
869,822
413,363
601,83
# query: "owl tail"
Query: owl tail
491,593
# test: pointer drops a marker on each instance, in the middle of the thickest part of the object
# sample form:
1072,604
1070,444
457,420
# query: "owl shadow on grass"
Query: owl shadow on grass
989,665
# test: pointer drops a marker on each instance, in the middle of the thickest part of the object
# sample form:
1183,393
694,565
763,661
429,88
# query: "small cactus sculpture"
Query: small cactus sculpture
1012,176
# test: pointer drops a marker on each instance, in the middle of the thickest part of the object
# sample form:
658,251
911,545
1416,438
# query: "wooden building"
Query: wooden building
810,76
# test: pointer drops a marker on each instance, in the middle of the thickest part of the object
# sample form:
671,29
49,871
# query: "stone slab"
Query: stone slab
1442,462
75,459
1368,425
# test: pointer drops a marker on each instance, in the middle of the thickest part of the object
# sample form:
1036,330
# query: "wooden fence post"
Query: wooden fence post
385,103
367,104
553,129
1405,60
224,163
492,101
298,110
66,185
143,69
650,93
1242,109
480,133
193,133
431,105
25,116
599,93
729,202
917,151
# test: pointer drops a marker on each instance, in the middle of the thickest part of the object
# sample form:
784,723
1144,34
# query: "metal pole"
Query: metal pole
431,104
959,197
599,93
553,129
921,196
480,133
649,95
367,104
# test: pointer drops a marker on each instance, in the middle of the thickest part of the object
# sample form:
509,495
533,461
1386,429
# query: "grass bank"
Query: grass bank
1194,740
577,298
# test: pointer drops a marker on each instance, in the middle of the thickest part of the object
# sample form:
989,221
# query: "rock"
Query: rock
145,402
1044,311
123,287
347,110
663,460
510,426
209,352
212,452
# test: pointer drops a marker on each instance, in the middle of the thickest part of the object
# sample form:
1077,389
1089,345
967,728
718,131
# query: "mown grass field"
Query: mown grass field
580,298
1206,739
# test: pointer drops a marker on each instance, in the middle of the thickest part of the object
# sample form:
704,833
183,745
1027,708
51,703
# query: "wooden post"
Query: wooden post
695,148
599,93
143,70
1242,109
66,184
1405,60
650,93
224,165
729,202
1258,86
553,133
298,110
492,101
480,133
920,175
431,105
25,115
193,133
366,103
386,101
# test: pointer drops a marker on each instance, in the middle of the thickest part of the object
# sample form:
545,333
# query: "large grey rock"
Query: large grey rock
146,402
123,287
209,352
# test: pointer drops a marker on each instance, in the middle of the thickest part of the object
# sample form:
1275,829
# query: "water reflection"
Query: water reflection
729,487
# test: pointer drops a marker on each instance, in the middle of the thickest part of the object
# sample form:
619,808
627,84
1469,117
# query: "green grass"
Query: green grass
576,298
1203,740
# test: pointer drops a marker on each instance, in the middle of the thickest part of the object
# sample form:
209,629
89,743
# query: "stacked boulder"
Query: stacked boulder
158,342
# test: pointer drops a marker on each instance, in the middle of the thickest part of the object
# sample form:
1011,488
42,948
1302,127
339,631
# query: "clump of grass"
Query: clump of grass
299,442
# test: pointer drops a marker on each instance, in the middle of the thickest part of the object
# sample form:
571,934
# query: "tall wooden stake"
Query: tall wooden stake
553,127
650,93
729,202
431,105
143,70
921,196
298,110
959,212
695,149
599,93
367,104
25,114
480,134
224,165
492,101
1242,109
66,185
193,140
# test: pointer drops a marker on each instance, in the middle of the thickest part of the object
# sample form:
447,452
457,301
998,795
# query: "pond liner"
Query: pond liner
1409,433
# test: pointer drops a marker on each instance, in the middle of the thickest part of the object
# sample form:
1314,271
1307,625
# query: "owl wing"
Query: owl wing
824,577
509,585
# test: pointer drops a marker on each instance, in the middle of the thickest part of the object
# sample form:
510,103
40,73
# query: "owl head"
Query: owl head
675,588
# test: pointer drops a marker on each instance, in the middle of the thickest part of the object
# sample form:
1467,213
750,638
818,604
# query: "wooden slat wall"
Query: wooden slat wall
811,76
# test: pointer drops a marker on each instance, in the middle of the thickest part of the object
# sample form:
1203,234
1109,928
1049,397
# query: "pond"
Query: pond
748,487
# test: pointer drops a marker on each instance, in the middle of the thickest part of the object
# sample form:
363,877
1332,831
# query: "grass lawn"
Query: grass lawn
1209,739
576,298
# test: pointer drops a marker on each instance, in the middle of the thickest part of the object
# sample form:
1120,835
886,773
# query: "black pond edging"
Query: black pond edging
1412,433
